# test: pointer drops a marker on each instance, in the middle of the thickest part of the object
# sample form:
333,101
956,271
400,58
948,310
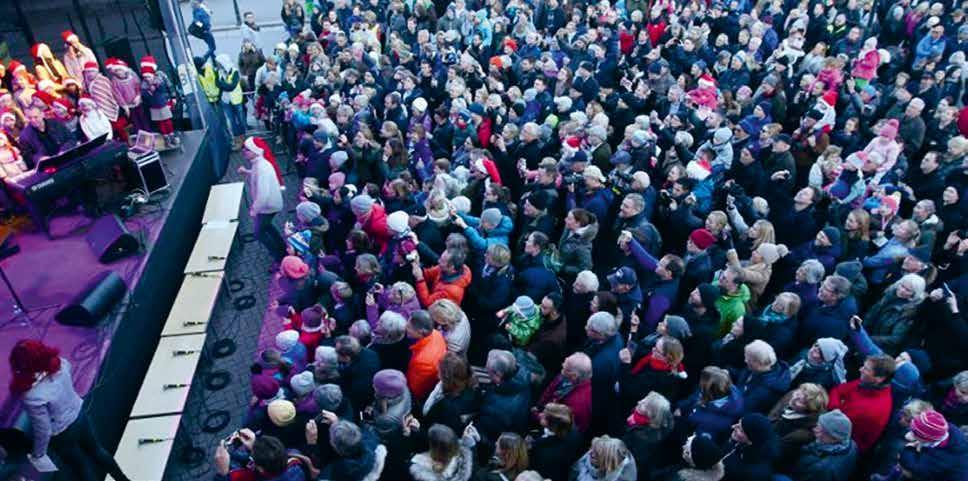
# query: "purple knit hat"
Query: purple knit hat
389,383
264,387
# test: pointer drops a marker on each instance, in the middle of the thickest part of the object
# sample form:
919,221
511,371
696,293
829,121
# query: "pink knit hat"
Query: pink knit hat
889,129
929,427
294,267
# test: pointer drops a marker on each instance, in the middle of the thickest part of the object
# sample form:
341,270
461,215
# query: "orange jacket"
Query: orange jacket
425,354
433,288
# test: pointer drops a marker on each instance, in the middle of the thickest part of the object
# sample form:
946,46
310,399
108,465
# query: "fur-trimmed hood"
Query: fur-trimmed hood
459,469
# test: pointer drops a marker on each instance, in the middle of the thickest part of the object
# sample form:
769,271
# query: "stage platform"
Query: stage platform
47,273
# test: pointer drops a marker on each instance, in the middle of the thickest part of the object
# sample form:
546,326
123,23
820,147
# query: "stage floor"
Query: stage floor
48,273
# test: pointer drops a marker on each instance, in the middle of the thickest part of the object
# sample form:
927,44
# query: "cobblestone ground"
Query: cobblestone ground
240,319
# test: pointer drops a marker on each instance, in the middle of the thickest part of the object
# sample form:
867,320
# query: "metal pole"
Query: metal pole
238,16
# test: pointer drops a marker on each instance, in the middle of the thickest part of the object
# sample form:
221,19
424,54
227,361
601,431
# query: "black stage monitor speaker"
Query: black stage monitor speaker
94,301
120,47
109,239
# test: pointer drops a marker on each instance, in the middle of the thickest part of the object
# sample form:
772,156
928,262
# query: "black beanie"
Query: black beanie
704,452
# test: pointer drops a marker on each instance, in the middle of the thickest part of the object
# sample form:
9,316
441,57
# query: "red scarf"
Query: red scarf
655,365
637,419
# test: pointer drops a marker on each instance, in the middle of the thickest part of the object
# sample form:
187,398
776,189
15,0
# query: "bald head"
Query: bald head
577,367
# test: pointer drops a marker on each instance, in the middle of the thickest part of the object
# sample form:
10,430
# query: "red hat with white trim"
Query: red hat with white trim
92,65
707,81
148,64
15,66
69,36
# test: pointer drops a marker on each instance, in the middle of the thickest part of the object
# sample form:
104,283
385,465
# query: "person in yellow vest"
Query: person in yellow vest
229,82
208,79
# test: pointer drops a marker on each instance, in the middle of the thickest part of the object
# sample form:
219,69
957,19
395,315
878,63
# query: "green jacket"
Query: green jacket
522,328
732,307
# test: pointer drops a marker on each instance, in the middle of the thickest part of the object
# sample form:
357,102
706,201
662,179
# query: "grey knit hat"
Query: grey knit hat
491,216
836,424
361,204
328,397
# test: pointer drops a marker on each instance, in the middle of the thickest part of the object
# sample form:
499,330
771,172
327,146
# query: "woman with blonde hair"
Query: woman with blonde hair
794,417
857,235
607,459
890,320
447,457
451,321
510,459
759,268
646,432
775,324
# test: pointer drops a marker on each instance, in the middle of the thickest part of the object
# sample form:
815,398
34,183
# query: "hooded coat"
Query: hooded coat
761,390
715,417
575,249
947,461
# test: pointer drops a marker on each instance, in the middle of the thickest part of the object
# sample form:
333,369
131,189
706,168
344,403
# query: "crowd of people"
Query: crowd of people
660,240
543,240
642,240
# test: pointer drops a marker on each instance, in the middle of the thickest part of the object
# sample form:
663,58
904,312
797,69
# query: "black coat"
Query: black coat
650,449
504,407
452,411
553,456
393,356
356,379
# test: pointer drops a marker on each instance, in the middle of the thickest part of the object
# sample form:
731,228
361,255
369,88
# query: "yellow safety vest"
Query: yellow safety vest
207,78
235,96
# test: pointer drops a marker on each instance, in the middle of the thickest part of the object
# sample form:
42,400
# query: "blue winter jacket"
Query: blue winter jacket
943,463
761,390
716,417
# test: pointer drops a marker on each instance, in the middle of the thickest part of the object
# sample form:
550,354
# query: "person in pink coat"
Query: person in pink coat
885,145
866,64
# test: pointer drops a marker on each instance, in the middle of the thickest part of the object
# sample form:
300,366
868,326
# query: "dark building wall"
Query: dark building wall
132,20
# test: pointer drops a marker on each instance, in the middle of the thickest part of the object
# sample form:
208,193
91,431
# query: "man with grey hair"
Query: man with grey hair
389,341
577,306
599,149
912,128
505,402
602,347
831,318
765,380
357,451
357,367
326,365
573,388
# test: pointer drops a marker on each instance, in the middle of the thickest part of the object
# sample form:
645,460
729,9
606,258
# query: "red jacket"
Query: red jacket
375,226
425,355
434,288
869,410
579,399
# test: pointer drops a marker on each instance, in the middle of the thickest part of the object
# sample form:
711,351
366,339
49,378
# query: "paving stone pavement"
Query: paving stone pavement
238,316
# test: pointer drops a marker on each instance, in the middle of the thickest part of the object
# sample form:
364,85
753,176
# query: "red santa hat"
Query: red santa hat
5,113
35,50
86,99
830,98
487,166
573,143
44,97
69,36
71,81
699,169
707,81
258,146
15,66
148,65
62,103
92,65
